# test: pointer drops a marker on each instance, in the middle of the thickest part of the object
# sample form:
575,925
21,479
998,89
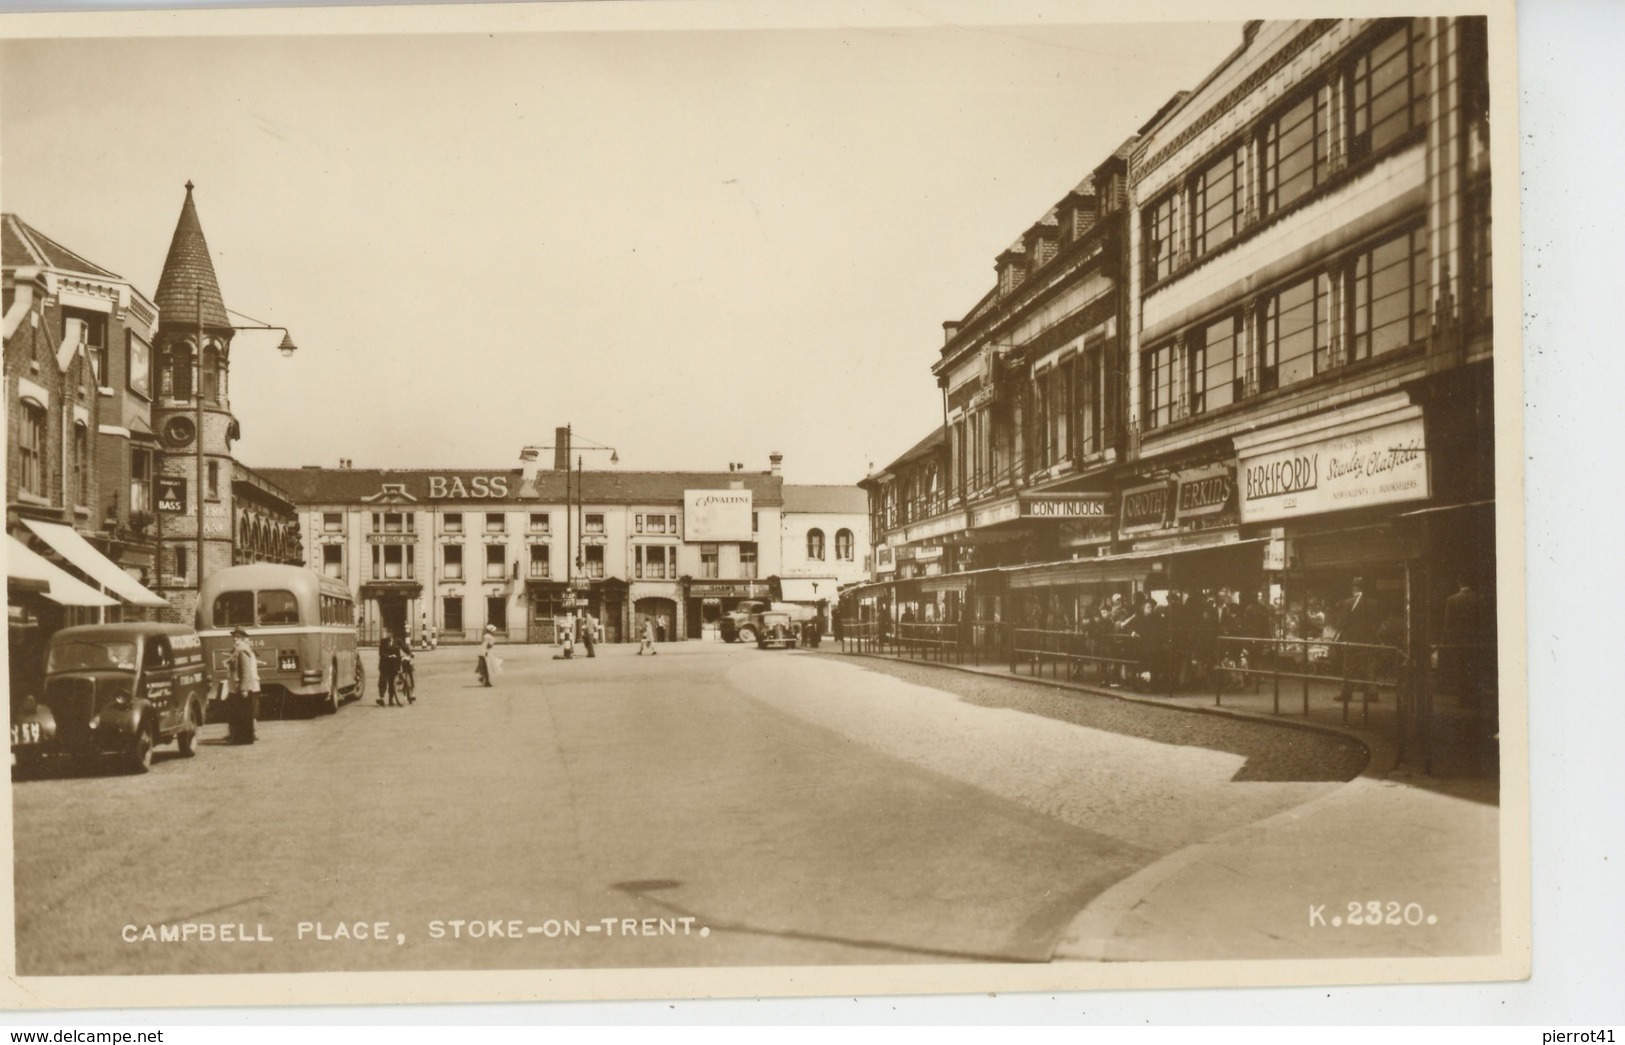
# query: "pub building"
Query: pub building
1276,378
443,553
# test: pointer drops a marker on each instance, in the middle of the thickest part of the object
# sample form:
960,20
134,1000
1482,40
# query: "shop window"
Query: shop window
332,522
451,562
815,544
747,560
451,611
495,522
540,564
593,562
451,522
843,545
710,561
496,562
31,449
333,560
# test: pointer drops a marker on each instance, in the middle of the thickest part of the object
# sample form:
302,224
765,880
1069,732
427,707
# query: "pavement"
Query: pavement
1395,862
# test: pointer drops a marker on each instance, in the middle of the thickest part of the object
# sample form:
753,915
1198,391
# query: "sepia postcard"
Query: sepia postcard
577,501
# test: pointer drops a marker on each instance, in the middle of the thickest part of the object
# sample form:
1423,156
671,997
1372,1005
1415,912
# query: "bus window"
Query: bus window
278,607
234,607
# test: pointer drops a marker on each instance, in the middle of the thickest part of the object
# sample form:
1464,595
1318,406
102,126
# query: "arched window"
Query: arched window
843,544
815,544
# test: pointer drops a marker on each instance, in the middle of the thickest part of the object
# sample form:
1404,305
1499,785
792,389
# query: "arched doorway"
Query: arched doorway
664,614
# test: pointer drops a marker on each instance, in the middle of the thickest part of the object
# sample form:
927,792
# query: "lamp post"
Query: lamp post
574,526
287,348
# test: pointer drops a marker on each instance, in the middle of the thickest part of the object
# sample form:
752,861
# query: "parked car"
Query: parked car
116,689
778,631
744,622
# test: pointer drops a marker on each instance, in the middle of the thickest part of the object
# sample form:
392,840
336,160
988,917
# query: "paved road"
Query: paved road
713,805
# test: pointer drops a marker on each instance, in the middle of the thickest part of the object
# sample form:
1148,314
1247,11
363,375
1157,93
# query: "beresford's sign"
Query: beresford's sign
1378,465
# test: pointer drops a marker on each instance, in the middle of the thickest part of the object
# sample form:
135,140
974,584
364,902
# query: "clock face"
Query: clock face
179,431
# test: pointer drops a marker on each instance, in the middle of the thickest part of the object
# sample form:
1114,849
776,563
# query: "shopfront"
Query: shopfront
706,601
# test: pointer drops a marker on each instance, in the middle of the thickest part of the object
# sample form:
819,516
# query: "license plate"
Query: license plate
24,733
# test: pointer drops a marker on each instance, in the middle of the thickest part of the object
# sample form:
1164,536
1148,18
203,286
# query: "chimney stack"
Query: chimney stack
561,449
527,463
775,462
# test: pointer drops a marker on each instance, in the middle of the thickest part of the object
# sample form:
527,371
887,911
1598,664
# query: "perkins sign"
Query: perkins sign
717,515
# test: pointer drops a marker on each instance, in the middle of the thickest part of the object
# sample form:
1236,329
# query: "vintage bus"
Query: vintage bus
301,624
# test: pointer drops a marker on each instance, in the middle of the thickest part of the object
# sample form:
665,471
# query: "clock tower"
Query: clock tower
192,418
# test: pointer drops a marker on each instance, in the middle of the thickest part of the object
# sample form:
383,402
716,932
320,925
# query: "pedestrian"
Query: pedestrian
243,674
647,645
663,632
487,662
1357,628
589,627
389,665
408,673
1464,642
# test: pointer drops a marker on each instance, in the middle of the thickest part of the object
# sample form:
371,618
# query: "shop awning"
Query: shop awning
24,564
1125,566
809,589
66,542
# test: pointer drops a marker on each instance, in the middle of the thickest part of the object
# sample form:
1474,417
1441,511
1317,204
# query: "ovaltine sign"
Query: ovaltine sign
1377,465
716,515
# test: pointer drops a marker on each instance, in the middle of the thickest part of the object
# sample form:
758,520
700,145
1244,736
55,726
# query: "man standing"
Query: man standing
243,673
389,665
1359,626
588,628
488,643
1464,641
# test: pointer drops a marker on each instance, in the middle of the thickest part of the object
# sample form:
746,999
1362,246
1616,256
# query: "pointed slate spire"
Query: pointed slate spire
189,273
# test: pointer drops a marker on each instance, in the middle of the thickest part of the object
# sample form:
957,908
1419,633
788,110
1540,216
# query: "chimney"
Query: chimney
561,449
950,330
527,463
775,461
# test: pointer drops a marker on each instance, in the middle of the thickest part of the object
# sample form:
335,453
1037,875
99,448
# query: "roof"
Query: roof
22,245
923,448
189,275
829,500
308,486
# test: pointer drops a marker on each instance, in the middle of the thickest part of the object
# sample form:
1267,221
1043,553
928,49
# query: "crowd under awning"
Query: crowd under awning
66,542
33,570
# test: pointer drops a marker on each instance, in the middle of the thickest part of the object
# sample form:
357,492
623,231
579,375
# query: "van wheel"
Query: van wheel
186,739
138,755
747,634
332,707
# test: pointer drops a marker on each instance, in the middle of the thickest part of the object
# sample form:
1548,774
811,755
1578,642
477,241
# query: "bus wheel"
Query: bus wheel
333,690
138,756
186,739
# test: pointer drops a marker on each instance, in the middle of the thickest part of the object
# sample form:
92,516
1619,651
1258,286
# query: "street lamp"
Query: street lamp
287,348
573,505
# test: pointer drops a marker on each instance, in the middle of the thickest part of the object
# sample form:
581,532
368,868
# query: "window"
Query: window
1390,298
1158,386
1295,153
495,522
332,522
95,328
333,560
815,544
1289,335
496,562
1214,376
653,562
452,613
277,607
181,561
393,562
231,608
1219,202
753,527
140,480
539,522
1094,399
451,522
1159,238
1389,91
213,472
540,566
710,563
451,562
394,522
31,449
593,565
175,372
81,463
496,612
843,544
747,560
593,524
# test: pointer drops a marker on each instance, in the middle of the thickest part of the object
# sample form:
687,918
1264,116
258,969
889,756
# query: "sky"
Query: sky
697,247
